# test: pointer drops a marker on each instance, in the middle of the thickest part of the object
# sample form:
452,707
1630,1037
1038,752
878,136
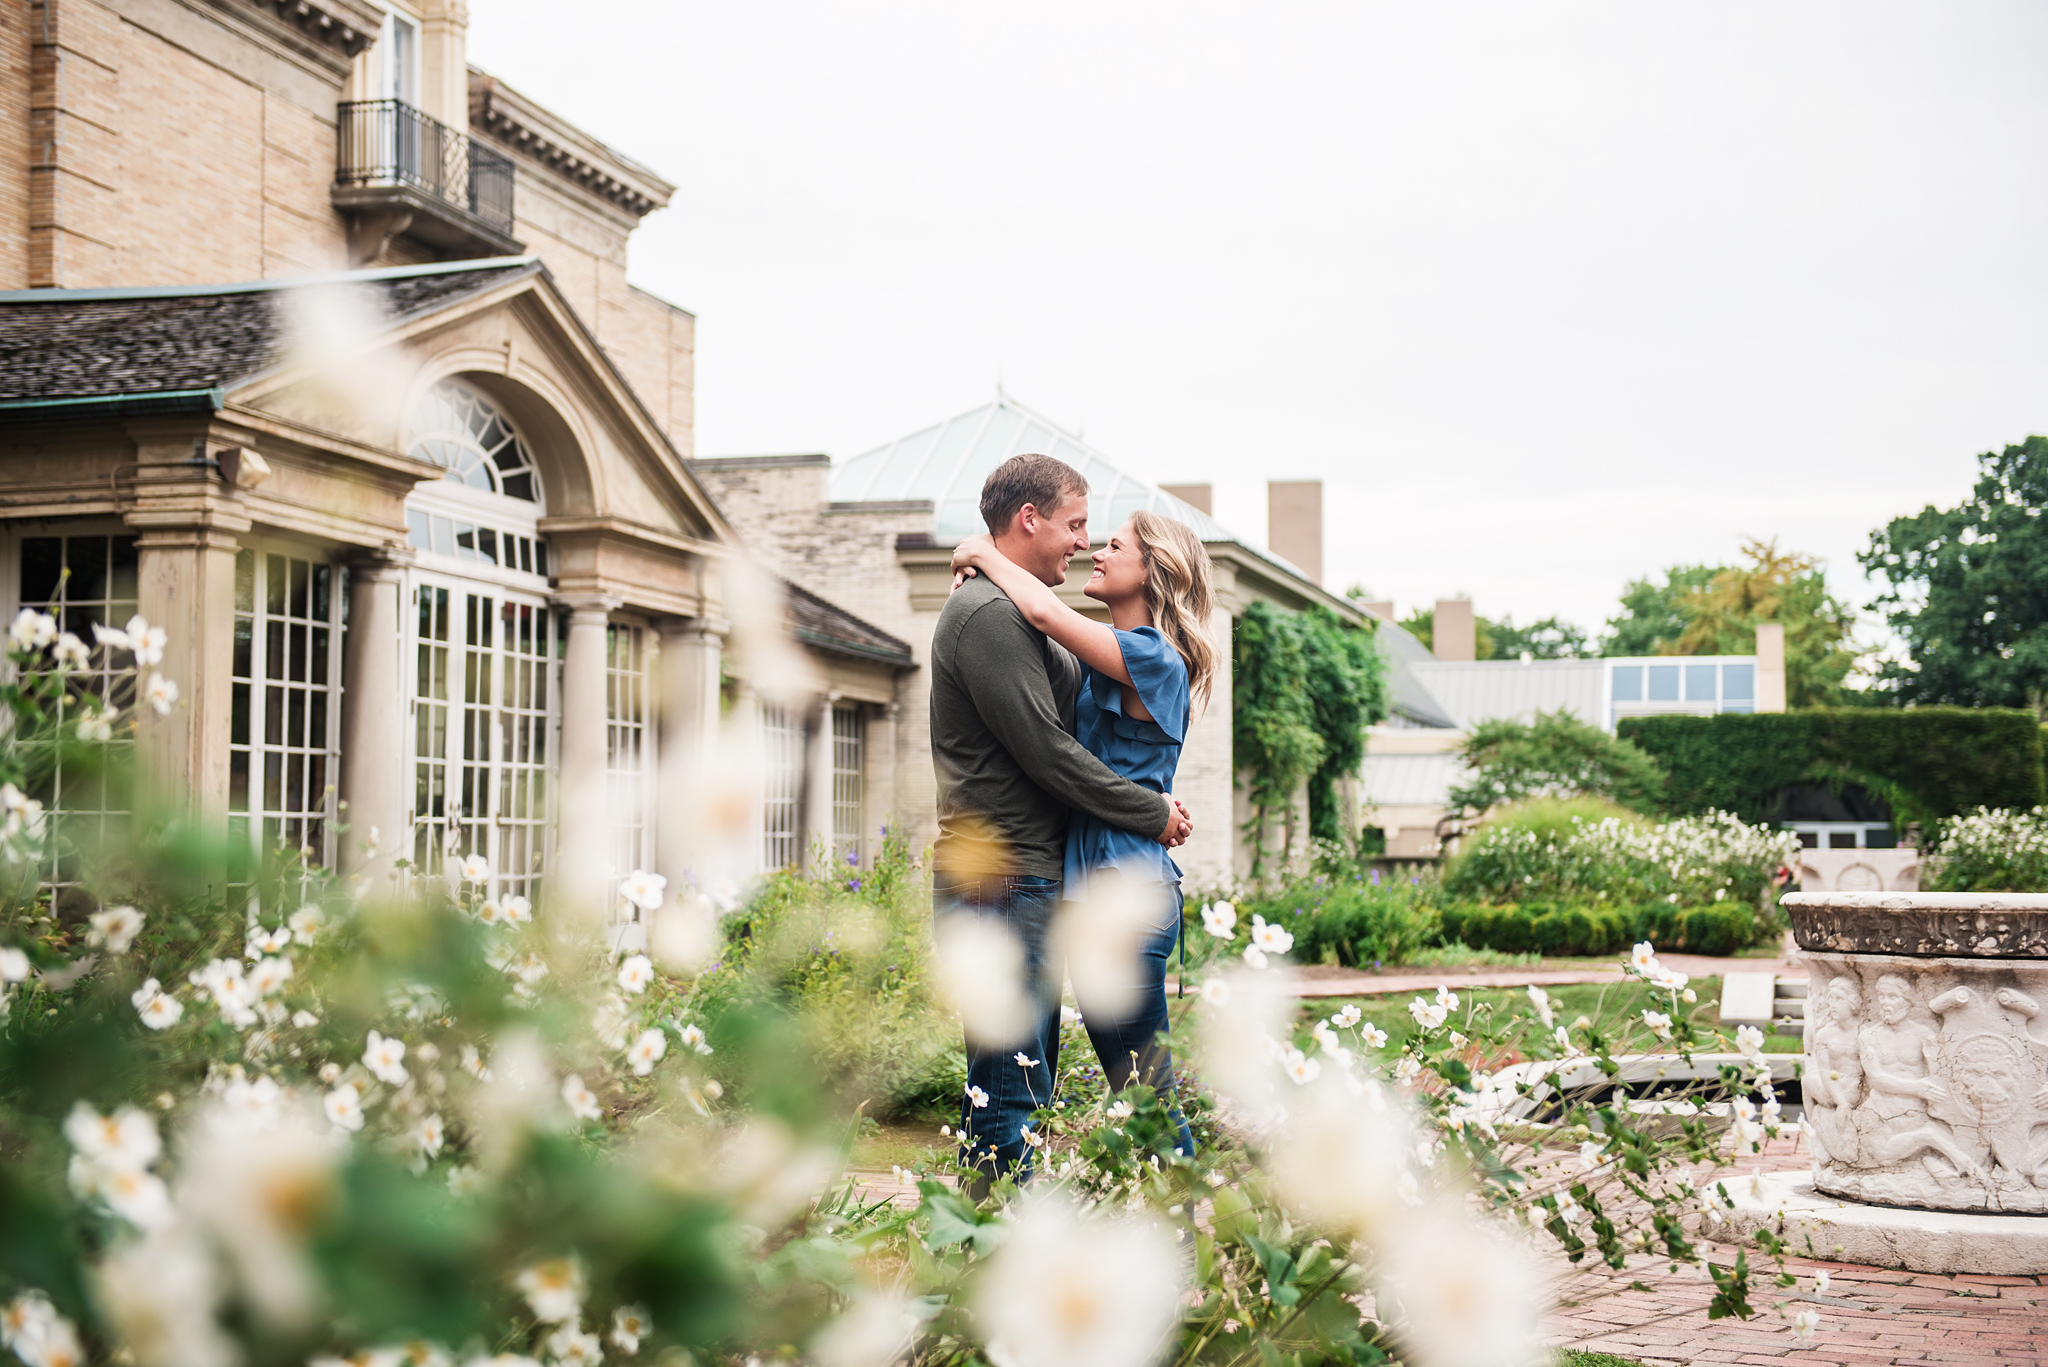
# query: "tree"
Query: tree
1775,586
1347,688
1556,755
1651,613
1968,590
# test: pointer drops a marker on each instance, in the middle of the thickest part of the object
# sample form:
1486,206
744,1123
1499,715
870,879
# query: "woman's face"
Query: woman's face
1119,568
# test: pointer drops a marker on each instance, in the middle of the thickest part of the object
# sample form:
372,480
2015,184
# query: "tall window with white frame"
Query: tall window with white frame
626,767
782,767
285,717
848,755
81,578
487,647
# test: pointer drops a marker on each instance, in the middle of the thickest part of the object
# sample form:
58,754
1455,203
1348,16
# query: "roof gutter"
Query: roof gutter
163,402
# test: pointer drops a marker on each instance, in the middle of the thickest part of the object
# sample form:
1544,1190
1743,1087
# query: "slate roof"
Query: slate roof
83,344
828,626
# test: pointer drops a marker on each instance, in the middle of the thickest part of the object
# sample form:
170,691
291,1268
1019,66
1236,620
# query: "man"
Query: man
1008,770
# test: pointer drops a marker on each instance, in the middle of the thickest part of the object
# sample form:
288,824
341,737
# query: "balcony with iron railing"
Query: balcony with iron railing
398,170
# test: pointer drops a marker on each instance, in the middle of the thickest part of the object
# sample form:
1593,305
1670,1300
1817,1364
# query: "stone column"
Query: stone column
582,828
878,797
374,716
1770,667
743,737
187,587
687,701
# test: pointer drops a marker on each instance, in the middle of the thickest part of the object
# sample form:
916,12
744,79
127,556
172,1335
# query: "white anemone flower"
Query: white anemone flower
1255,956
161,694
262,942
159,1009
94,725
1749,1041
518,910
268,978
647,1051
1374,1037
571,1346
473,1064
693,1037
977,1097
344,1107
111,637
307,922
1659,1024
489,912
644,890
114,928
140,1198
1804,1325
69,652
429,1135
553,1290
1220,920
1348,1017
581,1100
629,1325
251,1104
32,630
1216,992
159,1294
1300,1067
38,1335
124,1141
474,868
636,972
146,641
1271,938
383,1057
1068,1290
1467,1293
1428,1014
1643,958
14,965
1540,1001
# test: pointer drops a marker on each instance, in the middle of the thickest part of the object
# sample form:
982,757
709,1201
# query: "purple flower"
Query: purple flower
1375,877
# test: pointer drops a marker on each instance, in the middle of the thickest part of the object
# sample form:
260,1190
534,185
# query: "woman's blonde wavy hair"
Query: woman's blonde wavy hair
1178,593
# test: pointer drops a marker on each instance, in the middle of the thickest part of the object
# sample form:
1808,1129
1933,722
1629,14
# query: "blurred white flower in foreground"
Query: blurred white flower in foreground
629,1325
32,630
306,922
874,1331
1220,920
14,965
33,1330
161,694
636,972
159,1009
344,1107
1340,1157
114,929
1461,1291
259,1192
581,1100
383,1058
1067,1290
570,1346
1271,938
159,1294
647,1051
553,1289
980,970
644,890
1101,939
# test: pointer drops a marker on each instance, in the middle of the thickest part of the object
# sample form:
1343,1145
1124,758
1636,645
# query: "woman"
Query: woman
1142,675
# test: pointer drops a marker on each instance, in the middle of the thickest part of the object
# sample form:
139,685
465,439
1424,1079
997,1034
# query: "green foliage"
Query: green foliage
1359,921
1652,618
1582,929
1785,588
1929,762
1304,688
1991,851
1556,755
1965,589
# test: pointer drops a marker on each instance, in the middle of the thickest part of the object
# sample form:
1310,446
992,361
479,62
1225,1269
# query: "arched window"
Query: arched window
461,430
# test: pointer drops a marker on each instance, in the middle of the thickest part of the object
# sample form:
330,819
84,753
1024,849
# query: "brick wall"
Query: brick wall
15,18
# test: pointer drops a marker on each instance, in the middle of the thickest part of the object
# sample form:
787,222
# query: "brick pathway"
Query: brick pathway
1325,980
1869,1316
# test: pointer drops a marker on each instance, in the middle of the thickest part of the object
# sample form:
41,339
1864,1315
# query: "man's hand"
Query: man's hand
1179,825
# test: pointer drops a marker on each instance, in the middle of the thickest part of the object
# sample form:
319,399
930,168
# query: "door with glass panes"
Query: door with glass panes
486,682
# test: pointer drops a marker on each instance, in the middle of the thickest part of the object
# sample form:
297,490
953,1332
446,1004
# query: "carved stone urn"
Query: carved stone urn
1926,1073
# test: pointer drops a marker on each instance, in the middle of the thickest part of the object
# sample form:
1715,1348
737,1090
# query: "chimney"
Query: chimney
1770,667
1197,496
1454,637
1294,523
1382,608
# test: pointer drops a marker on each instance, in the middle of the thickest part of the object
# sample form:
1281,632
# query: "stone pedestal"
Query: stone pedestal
1926,1070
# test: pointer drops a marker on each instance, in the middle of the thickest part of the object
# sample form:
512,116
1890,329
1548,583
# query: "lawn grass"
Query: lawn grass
1572,1357
1600,1001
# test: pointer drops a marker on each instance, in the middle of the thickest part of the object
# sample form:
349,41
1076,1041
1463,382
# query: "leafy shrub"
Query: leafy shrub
1555,755
1357,921
1591,929
1697,860
1992,851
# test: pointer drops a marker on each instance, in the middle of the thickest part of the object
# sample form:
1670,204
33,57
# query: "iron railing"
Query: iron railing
388,142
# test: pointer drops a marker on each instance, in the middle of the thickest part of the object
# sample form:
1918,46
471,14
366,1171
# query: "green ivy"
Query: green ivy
1928,762
1304,687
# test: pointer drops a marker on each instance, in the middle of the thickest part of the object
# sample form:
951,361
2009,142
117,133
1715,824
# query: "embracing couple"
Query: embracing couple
1055,739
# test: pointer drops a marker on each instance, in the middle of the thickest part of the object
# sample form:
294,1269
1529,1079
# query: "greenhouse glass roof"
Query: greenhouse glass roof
948,463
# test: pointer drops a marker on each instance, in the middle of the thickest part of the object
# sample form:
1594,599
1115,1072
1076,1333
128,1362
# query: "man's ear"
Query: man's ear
1027,520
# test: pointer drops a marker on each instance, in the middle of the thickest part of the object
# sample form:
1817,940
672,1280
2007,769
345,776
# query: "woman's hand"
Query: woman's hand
969,555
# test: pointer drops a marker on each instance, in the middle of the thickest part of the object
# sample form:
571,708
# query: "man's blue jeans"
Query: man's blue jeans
992,1135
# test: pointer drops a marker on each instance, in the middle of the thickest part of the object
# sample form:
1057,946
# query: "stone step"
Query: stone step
1792,987
1784,1006
1795,1028
1746,998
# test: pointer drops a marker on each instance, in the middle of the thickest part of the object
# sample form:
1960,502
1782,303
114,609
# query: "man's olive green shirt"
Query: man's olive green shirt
1008,765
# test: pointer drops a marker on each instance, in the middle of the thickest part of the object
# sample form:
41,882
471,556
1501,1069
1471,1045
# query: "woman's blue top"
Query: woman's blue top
1145,752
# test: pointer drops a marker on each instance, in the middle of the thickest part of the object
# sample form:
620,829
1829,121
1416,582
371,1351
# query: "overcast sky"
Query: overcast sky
1549,296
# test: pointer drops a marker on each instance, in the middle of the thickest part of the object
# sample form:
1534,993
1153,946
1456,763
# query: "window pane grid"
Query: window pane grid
284,717
80,580
782,739
847,753
626,746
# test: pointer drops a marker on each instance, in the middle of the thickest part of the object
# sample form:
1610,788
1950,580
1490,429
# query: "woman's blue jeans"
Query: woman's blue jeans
991,1135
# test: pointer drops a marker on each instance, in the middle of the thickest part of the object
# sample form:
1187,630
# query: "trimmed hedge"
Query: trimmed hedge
1594,929
1928,762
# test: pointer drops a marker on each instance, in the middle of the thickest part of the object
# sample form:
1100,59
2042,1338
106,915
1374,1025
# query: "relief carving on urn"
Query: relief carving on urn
1925,1082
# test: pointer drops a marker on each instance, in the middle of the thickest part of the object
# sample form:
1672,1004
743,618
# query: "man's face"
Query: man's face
1050,541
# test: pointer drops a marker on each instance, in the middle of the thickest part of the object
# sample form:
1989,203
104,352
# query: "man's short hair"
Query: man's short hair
1040,481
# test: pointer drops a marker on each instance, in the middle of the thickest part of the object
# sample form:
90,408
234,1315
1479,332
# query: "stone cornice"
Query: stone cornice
342,26
516,123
